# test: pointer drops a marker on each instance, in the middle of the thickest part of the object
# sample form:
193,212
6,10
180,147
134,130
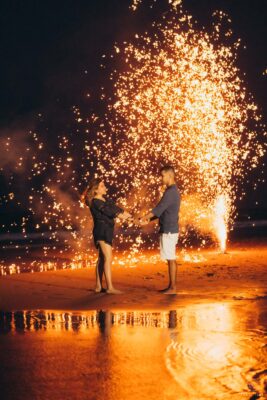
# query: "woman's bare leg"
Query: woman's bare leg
107,253
99,271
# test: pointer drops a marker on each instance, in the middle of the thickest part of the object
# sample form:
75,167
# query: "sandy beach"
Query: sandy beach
239,274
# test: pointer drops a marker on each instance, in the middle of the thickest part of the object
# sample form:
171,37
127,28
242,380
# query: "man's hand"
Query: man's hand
146,218
144,221
139,221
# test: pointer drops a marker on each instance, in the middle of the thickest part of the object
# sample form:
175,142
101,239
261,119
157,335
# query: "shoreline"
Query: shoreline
238,275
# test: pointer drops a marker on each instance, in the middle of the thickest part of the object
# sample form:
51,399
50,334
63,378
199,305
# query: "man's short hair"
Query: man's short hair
167,168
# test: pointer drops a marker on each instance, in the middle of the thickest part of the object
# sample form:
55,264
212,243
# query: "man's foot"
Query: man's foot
164,290
170,291
113,291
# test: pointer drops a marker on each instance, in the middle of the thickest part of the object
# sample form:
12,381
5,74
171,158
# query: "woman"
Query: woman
103,212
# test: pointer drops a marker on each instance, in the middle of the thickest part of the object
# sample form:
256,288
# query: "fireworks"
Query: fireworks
179,98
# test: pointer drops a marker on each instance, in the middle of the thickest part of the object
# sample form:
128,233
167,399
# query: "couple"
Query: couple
104,211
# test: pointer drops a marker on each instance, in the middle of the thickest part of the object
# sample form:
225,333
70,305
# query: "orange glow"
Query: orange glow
199,351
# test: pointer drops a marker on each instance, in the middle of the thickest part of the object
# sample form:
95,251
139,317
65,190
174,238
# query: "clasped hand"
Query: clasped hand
125,216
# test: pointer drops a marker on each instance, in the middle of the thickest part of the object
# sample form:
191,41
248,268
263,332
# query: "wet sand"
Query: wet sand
206,351
207,275
60,340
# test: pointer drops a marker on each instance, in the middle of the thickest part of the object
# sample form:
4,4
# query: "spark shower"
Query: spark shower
181,99
178,97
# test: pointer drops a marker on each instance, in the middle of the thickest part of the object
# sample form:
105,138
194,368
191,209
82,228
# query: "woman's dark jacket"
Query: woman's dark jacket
103,213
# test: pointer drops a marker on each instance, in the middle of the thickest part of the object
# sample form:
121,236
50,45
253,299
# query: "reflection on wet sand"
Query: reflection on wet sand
201,351
217,354
52,320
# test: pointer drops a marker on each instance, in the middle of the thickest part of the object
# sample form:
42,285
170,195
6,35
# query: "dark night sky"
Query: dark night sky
45,47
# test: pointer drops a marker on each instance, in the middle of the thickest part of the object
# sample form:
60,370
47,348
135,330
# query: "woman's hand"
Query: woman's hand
125,216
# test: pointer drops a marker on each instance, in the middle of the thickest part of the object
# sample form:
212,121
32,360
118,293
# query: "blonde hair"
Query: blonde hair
89,192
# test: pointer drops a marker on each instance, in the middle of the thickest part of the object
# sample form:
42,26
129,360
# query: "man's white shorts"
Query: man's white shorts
167,245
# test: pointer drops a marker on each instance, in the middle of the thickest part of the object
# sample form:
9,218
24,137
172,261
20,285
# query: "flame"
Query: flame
221,211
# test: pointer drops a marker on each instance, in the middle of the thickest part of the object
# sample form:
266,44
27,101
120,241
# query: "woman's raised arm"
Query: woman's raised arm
109,208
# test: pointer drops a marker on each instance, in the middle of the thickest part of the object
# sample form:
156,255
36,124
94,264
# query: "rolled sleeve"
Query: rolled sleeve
117,210
109,208
162,205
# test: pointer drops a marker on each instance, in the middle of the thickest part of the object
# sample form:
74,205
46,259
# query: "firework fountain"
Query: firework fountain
180,99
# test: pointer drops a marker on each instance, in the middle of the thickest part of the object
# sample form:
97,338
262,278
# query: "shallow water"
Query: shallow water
199,351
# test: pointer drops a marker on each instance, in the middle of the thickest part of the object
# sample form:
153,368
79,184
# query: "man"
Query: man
167,210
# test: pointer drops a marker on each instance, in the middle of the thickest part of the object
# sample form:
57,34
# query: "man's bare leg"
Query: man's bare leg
172,267
168,287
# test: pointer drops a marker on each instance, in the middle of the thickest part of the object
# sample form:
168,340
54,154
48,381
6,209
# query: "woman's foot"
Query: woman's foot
98,289
113,291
